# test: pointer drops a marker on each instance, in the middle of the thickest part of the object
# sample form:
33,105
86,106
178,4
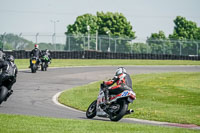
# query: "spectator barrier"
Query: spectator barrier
22,54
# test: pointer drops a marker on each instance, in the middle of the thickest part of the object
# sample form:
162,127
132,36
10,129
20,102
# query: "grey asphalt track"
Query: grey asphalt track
33,92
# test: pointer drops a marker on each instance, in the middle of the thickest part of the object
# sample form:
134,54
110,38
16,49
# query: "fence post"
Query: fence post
163,48
88,28
96,40
4,34
84,44
69,44
36,38
53,40
115,45
100,44
131,48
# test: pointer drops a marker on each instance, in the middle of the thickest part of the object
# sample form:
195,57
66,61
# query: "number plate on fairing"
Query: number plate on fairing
124,93
33,61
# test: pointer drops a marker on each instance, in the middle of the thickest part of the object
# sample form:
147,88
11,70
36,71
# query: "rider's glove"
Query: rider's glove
102,85
109,88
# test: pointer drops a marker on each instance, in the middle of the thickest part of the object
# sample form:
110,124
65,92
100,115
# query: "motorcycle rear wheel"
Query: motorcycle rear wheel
33,69
91,111
3,93
122,111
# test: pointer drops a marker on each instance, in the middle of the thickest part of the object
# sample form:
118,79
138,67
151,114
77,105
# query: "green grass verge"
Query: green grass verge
171,97
32,124
24,63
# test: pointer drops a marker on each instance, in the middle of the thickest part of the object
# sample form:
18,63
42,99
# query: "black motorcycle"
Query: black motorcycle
34,63
5,88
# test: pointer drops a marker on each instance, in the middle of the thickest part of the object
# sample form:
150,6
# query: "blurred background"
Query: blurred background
147,27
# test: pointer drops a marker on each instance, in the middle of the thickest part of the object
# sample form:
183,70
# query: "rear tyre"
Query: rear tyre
3,93
91,111
33,69
121,112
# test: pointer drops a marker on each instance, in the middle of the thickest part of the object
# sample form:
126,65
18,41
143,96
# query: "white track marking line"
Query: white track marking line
55,100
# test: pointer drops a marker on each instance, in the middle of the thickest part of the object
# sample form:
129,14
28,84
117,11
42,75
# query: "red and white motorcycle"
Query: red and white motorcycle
117,108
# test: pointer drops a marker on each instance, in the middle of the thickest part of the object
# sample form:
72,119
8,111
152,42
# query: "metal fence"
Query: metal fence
101,43
22,54
128,45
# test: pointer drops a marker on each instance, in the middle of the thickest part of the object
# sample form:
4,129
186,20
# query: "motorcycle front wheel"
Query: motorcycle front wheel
45,66
91,111
3,93
121,112
42,67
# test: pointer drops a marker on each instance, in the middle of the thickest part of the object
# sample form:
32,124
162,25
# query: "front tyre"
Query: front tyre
45,66
121,112
3,93
91,111
42,66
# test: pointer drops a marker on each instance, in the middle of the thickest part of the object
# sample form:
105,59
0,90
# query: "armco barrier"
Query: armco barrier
102,55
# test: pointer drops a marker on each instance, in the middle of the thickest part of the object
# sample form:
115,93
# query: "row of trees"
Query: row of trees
15,42
184,39
113,24
114,33
107,25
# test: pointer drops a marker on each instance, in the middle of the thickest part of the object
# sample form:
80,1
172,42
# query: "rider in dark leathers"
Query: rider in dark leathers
123,81
9,70
46,57
36,53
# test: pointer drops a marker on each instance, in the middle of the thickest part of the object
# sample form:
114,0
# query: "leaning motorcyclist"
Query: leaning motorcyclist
123,81
36,53
9,71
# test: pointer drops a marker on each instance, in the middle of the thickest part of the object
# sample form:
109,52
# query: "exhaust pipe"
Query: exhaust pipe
129,111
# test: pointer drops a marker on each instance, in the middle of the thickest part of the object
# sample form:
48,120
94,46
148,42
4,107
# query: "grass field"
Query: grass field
170,97
152,106
24,63
32,124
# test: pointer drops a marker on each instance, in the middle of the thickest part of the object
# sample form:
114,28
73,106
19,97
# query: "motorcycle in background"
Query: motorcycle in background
117,108
44,62
34,64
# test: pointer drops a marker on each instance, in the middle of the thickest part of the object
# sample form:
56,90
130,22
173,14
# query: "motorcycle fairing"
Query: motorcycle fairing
101,99
126,93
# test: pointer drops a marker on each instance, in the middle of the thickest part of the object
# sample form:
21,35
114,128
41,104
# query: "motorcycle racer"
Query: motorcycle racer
120,96
47,55
35,53
9,72
123,81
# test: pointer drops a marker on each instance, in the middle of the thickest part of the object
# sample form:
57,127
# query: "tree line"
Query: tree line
184,39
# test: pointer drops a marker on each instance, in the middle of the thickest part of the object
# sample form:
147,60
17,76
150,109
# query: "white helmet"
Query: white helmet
120,70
